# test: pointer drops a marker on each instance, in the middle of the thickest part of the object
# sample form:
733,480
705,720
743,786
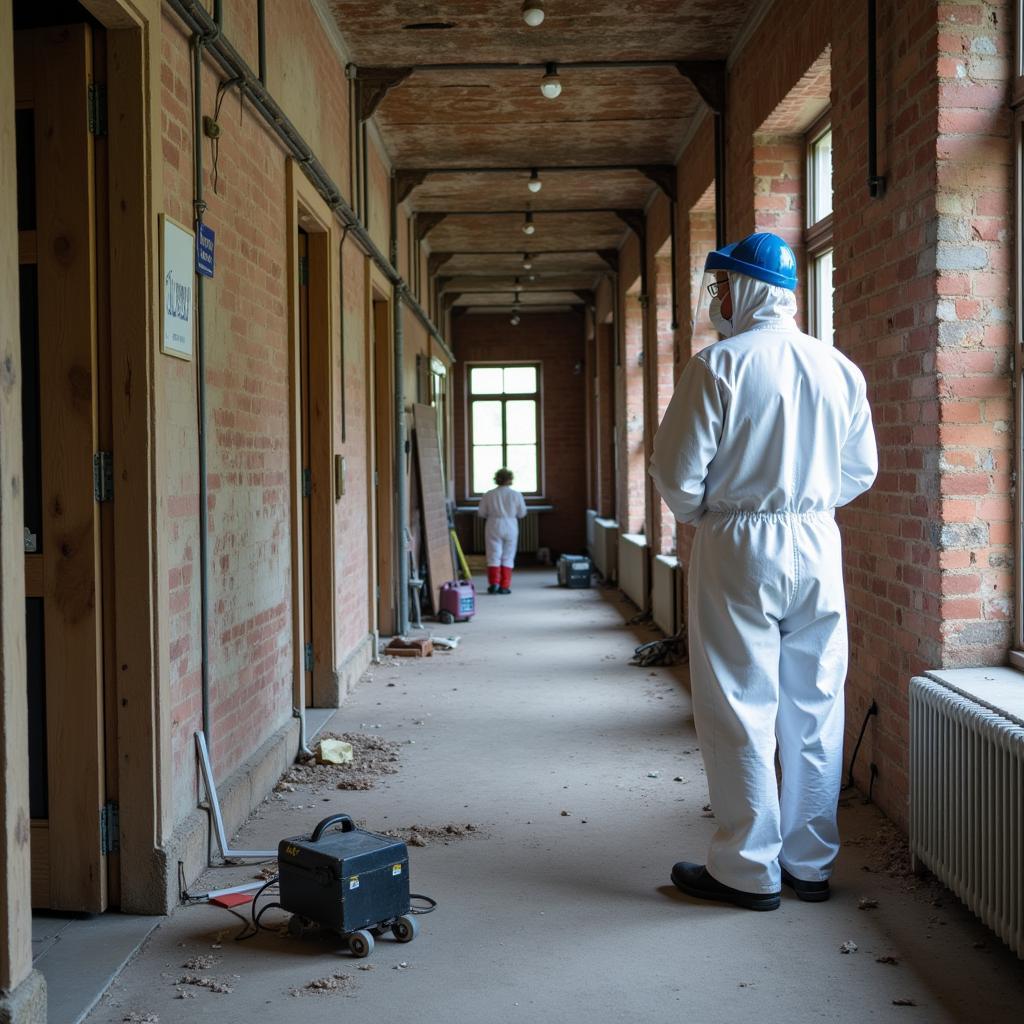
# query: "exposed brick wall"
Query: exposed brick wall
556,341
251,654
663,536
247,444
779,190
923,305
632,491
974,313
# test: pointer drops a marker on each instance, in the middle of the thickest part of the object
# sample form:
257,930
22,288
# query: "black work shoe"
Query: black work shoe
504,590
694,880
493,588
809,892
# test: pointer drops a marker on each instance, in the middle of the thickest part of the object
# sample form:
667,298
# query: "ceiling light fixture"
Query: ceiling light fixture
527,262
535,184
550,84
528,225
533,12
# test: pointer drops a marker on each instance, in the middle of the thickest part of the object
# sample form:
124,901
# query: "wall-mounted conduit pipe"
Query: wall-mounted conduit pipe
261,36
199,209
198,21
876,181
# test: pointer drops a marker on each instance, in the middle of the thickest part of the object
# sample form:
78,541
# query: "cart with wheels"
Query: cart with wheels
350,880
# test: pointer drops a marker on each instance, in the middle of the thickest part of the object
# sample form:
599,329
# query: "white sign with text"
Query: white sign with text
177,272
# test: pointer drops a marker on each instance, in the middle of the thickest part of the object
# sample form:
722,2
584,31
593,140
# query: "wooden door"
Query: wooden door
384,462
58,275
307,462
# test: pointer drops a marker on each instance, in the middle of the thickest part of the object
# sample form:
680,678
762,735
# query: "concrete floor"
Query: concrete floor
570,916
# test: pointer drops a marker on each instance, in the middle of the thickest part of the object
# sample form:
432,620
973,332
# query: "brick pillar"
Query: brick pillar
662,383
631,510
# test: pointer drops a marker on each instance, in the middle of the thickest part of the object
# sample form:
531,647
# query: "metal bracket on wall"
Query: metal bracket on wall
214,808
373,84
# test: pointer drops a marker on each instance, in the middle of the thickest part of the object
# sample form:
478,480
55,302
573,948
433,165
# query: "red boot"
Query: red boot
493,578
506,580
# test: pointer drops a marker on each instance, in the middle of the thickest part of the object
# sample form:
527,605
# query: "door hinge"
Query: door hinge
103,476
307,483
110,827
303,270
308,653
97,109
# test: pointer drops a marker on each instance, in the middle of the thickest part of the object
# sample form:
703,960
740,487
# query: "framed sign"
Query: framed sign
177,276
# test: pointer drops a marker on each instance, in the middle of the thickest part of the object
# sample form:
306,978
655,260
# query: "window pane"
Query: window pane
485,380
520,380
522,460
521,422
486,462
823,296
487,423
821,161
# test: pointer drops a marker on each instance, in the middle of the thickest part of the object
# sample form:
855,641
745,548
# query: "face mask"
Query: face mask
723,326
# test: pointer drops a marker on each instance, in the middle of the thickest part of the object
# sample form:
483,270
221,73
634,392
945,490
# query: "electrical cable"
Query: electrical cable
872,710
429,909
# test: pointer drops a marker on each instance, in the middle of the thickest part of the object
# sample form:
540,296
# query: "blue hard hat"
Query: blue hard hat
762,255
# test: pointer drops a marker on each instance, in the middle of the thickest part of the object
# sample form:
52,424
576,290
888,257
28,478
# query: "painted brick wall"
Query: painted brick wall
557,342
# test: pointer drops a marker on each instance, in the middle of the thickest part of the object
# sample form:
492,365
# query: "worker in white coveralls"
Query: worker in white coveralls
502,507
768,431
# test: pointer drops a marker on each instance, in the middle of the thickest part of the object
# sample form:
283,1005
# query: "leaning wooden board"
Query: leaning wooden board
432,501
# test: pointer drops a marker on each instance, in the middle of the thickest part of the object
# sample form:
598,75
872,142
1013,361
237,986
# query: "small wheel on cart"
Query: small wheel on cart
406,928
296,926
446,617
360,943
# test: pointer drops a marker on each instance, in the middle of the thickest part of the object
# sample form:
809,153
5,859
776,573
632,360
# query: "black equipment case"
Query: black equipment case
347,880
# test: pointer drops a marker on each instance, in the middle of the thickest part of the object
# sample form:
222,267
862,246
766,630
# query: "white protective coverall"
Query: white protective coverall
767,432
502,507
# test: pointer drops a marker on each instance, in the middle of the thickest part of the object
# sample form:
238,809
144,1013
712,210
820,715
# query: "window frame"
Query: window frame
535,396
1016,653
818,235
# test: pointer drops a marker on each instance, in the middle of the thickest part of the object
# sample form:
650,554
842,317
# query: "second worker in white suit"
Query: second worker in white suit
768,431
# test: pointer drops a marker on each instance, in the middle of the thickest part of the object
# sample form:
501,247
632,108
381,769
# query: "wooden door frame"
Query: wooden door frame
381,369
308,211
142,682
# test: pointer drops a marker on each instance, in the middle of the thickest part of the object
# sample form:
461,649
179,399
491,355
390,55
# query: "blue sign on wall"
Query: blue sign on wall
205,239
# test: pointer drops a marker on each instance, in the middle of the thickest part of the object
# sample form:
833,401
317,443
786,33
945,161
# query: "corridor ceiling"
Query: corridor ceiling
471,118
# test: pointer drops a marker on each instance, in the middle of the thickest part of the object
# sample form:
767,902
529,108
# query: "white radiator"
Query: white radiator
591,531
605,551
529,534
967,798
663,593
634,569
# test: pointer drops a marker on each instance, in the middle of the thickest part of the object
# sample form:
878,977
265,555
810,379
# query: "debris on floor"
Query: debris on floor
849,946
201,982
141,1018
333,983
903,1002
423,835
267,872
372,756
402,647
867,903
331,751
672,650
445,643
891,960
203,962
